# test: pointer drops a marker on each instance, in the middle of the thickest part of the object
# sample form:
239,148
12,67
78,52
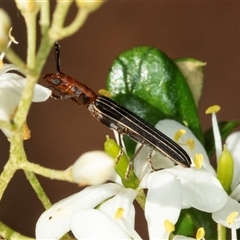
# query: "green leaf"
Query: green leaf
225,129
148,83
192,70
192,219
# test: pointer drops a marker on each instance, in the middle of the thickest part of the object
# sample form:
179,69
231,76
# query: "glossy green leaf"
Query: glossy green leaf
225,129
192,219
147,82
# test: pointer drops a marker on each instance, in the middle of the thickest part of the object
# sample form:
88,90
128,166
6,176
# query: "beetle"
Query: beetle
114,116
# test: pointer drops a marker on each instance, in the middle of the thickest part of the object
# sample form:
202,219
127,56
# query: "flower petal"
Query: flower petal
142,166
55,221
11,87
124,201
41,93
181,237
201,189
94,224
8,67
164,202
222,215
170,127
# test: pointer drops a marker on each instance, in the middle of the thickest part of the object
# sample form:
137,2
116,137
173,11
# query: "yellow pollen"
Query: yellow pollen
198,160
119,213
26,131
169,227
178,134
105,93
200,233
213,109
231,217
191,143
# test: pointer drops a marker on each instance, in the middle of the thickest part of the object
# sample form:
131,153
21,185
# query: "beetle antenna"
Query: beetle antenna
57,56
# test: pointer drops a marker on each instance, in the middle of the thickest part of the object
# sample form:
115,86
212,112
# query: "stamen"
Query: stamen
178,134
213,109
231,217
200,233
11,37
191,143
104,92
169,227
198,160
119,213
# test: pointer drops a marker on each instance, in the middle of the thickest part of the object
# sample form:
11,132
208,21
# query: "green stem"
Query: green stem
221,230
43,52
25,102
30,20
7,233
6,176
75,25
59,16
7,125
44,16
13,58
38,189
46,172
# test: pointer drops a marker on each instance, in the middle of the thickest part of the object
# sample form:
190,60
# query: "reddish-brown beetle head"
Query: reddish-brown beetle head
67,87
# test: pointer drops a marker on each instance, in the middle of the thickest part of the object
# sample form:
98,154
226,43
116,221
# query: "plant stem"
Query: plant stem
46,172
6,176
75,25
30,20
13,58
59,16
38,189
8,233
44,16
7,125
221,232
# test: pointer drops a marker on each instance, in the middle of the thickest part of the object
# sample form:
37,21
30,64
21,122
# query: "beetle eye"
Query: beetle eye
56,81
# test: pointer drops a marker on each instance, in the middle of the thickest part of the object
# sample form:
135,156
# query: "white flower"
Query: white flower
11,87
169,191
92,168
175,188
67,214
228,216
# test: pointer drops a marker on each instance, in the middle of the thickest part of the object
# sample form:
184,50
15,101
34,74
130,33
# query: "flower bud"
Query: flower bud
5,25
27,6
93,168
89,5
225,162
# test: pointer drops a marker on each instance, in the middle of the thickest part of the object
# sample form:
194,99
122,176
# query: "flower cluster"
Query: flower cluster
90,212
105,209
